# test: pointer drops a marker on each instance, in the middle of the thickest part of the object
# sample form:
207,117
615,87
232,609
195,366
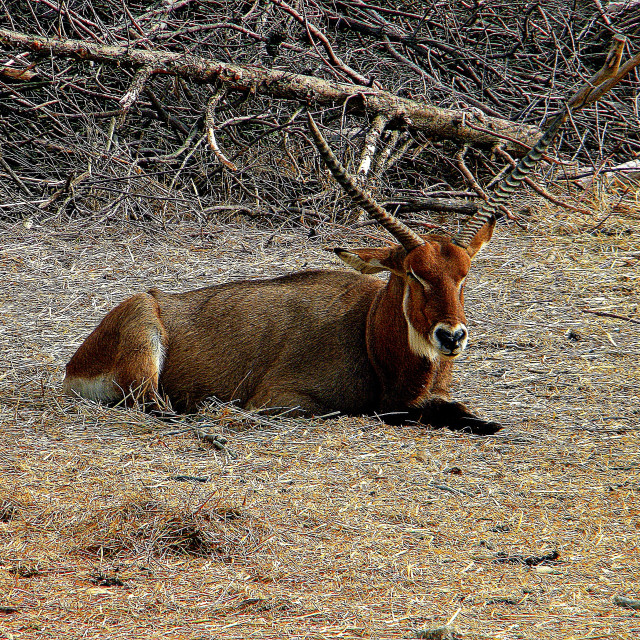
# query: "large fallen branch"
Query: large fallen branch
433,121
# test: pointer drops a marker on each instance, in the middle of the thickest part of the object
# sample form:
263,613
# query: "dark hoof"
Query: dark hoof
476,427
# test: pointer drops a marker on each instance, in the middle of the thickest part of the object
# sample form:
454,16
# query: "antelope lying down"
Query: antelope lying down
316,341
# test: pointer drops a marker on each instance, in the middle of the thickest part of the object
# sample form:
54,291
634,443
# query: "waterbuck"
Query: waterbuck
317,341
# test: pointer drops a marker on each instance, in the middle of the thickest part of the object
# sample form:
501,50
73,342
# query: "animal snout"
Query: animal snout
451,340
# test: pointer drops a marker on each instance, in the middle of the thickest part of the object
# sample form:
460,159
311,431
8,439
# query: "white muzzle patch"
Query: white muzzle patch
445,340
421,346
450,340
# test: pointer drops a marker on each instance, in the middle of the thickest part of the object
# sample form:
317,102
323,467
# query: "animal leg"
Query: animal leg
441,413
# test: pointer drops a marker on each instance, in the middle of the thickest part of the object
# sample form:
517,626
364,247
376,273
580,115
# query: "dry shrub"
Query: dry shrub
138,525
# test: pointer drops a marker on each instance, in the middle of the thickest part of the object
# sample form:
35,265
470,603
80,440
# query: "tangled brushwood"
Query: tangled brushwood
425,103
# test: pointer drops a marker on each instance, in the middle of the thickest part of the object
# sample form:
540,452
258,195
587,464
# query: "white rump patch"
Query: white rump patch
99,389
158,351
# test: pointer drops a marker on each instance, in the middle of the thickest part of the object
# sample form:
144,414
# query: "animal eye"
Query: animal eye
425,285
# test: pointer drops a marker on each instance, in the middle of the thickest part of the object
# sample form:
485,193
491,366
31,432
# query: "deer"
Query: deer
321,341
315,342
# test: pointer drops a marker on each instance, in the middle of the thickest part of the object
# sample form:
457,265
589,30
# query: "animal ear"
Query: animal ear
373,260
481,238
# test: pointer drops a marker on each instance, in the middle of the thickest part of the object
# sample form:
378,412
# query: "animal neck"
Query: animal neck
406,377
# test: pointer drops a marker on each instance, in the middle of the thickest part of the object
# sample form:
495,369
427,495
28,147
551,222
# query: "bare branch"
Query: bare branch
15,177
369,146
210,126
135,89
435,83
314,31
433,121
438,205
14,73
603,88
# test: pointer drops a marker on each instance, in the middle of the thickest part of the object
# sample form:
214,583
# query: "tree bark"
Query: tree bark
433,121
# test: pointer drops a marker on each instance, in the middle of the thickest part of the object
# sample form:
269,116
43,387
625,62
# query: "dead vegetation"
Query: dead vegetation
114,523
139,111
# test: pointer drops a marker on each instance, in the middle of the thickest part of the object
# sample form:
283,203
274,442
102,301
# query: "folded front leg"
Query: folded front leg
442,413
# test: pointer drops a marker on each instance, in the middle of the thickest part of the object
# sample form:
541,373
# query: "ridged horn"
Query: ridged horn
609,75
405,236
509,183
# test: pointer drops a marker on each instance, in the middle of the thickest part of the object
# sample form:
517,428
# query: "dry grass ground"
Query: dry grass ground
114,524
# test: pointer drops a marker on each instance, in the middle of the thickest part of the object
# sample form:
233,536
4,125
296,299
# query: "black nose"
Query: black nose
450,340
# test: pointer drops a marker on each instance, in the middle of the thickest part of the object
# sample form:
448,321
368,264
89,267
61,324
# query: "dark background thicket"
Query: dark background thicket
515,60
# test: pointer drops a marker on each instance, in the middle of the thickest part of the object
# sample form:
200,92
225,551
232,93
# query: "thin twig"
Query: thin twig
608,314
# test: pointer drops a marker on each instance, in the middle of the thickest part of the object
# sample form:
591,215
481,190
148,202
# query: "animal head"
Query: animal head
432,268
432,277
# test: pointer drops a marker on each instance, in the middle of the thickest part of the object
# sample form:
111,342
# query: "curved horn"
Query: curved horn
509,183
405,236
594,89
